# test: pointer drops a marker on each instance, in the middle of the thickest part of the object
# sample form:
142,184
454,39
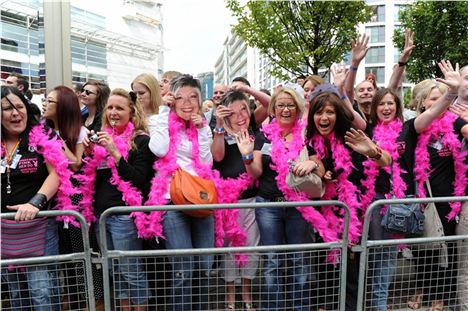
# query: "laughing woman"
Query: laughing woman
28,183
116,176
278,144
181,140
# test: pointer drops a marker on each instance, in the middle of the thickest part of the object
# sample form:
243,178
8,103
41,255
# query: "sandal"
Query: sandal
437,305
415,302
249,307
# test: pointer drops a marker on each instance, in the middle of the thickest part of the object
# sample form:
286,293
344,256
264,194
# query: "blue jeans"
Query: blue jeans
185,232
43,291
129,273
284,226
382,259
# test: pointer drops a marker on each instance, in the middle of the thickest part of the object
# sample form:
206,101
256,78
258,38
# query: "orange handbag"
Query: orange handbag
188,189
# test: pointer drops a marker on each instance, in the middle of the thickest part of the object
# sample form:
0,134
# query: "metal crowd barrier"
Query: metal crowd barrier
17,272
421,271
325,282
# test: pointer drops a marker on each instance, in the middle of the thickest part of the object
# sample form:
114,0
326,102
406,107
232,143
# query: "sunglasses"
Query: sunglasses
88,92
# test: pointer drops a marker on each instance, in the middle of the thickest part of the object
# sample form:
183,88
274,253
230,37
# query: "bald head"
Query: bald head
218,92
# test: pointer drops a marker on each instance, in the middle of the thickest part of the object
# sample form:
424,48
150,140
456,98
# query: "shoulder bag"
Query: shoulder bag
402,218
23,239
310,184
186,189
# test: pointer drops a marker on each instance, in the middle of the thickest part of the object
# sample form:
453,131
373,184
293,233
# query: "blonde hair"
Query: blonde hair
137,115
294,95
152,84
422,90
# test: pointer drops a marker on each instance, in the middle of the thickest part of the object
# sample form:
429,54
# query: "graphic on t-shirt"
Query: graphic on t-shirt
28,165
442,151
401,147
266,149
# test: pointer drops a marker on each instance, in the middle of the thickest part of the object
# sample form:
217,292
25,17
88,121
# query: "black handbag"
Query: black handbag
404,218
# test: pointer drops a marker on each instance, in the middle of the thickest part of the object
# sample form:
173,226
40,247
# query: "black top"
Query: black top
442,164
406,144
267,187
232,165
356,161
97,122
26,178
137,170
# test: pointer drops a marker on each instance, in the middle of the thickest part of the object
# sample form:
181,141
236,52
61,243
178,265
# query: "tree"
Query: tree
440,32
299,37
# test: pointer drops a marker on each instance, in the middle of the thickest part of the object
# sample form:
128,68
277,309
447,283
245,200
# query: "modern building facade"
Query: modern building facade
110,45
206,81
238,59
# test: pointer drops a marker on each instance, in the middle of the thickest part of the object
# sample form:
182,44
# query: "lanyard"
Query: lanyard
9,158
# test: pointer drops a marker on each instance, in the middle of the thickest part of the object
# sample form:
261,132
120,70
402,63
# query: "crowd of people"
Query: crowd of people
94,148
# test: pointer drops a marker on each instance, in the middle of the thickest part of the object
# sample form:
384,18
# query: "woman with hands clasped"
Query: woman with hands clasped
116,175
234,125
269,159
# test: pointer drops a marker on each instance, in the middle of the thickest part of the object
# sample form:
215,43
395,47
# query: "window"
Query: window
376,34
375,55
398,9
379,73
378,13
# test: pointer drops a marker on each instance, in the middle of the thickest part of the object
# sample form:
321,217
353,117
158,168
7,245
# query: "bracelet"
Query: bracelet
219,130
450,95
39,200
402,64
378,154
352,68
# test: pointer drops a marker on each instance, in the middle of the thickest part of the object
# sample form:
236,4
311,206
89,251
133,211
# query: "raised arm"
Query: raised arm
452,80
358,52
396,80
339,74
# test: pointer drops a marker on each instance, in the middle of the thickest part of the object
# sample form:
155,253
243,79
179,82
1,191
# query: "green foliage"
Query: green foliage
299,37
407,98
440,32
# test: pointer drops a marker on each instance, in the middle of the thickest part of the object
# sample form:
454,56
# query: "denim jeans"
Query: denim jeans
128,272
43,291
185,232
284,226
382,259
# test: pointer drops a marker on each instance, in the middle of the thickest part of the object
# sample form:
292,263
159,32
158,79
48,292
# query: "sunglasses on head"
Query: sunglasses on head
88,92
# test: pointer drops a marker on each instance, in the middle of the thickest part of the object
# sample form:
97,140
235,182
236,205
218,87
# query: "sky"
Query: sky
194,33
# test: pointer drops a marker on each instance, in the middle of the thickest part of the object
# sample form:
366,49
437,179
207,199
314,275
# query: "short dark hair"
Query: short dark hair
21,80
343,118
378,98
7,90
241,79
232,96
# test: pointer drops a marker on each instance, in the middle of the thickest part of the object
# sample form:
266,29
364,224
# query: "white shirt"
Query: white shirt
159,143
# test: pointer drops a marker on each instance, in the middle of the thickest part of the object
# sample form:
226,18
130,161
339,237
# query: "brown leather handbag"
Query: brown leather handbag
188,189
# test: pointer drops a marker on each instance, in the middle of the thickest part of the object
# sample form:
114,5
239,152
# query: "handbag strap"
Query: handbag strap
429,190
416,191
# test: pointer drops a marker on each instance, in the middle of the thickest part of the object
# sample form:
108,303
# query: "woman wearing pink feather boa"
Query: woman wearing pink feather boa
182,139
268,160
116,175
439,159
328,123
233,116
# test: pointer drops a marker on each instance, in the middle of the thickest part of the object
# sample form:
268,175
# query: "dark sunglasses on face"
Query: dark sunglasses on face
87,92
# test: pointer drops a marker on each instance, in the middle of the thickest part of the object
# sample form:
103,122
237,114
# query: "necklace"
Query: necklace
9,157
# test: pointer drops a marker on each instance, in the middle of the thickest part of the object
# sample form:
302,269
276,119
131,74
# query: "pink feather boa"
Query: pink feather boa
52,151
130,194
346,191
442,127
228,190
386,135
280,156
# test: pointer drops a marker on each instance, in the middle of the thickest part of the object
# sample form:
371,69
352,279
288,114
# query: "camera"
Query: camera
94,138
